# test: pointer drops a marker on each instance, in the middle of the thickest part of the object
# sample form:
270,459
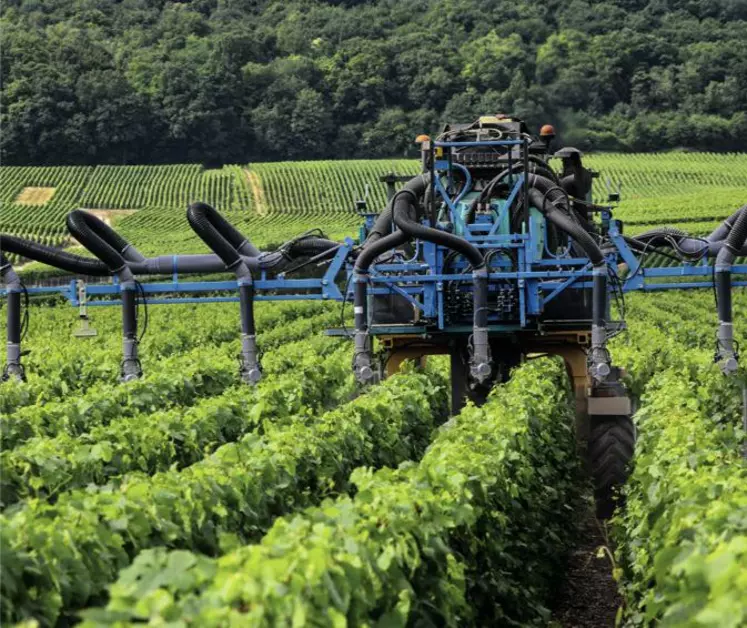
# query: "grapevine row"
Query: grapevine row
148,441
472,535
56,370
237,490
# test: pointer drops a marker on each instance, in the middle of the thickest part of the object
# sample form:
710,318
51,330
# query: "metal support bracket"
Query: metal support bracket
84,329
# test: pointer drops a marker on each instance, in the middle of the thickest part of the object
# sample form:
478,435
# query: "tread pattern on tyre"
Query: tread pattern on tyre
610,450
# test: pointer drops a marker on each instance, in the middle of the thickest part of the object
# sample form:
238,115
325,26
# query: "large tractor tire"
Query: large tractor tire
610,451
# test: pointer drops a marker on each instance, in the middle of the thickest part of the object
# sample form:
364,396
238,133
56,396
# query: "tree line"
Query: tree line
218,81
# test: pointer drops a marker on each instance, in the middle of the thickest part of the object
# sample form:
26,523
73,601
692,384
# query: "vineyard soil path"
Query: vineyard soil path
588,596
257,192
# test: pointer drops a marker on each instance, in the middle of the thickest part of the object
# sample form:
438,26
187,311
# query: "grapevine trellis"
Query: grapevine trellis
695,189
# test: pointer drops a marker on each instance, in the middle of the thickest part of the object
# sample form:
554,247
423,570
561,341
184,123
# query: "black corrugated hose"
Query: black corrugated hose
48,255
211,227
731,249
99,238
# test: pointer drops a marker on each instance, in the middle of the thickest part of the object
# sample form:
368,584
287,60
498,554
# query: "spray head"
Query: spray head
599,358
362,368
364,373
249,368
727,352
480,372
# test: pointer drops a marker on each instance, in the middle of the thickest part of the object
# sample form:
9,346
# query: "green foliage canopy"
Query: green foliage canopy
219,81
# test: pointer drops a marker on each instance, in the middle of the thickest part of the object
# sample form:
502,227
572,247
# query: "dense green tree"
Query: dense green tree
116,81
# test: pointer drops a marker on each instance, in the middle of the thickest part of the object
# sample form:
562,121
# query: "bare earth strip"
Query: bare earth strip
257,192
107,215
35,196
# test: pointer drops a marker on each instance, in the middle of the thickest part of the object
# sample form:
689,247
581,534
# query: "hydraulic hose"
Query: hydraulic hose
726,350
415,230
376,244
409,197
48,255
99,238
540,190
558,212
224,240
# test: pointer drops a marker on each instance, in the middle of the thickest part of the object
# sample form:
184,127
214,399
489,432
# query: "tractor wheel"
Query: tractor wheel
610,451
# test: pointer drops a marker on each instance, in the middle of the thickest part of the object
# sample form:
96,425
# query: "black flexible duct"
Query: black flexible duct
375,245
378,247
539,167
311,247
383,225
689,246
671,237
553,203
723,230
99,238
685,244
235,238
734,244
540,195
410,195
408,198
14,320
729,252
572,186
726,346
379,242
48,255
210,226
225,241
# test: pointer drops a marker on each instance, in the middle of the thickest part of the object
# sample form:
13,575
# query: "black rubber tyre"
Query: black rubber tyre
610,450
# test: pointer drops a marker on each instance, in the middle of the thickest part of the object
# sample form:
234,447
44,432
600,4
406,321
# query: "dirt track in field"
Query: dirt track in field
588,597
257,192
107,215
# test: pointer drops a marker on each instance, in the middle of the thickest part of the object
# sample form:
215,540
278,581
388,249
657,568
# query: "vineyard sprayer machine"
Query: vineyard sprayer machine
494,253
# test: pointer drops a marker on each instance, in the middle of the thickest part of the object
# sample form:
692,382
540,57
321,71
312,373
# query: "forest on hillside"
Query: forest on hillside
217,81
